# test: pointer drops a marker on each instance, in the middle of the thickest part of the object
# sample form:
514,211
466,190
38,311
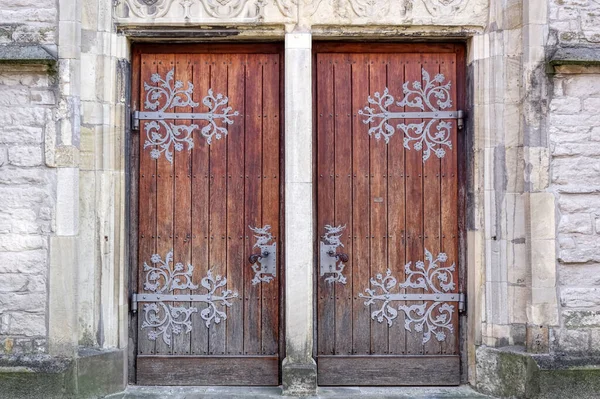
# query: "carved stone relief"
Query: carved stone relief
312,12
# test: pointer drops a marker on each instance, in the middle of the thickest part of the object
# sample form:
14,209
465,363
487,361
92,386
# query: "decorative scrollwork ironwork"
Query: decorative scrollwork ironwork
263,264
173,320
165,319
332,262
422,135
165,94
434,279
160,278
211,313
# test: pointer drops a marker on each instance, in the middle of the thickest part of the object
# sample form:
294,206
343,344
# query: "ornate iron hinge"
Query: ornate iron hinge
438,283
164,319
431,135
163,136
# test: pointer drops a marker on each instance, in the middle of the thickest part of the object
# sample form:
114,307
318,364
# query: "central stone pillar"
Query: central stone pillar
299,368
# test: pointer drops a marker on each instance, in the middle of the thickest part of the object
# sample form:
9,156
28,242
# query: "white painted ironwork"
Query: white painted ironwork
430,136
264,265
165,319
165,94
331,262
437,280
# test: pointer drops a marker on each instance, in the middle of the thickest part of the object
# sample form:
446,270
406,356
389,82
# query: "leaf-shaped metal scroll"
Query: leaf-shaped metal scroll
420,316
431,98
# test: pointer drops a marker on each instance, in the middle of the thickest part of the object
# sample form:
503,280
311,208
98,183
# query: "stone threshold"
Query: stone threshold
151,392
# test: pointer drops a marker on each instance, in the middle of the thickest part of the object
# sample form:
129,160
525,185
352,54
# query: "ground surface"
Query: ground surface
137,392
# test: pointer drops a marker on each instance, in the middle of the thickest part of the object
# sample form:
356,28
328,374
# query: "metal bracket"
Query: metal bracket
331,262
264,264
462,303
135,121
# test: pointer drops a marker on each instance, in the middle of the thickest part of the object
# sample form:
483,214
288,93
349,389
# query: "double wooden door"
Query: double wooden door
388,147
209,274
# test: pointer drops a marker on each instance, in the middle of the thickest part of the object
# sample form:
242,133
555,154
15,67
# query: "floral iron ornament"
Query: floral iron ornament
164,136
264,263
165,319
430,136
419,316
332,262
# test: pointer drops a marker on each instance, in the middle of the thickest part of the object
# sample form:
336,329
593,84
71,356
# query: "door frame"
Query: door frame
459,47
132,91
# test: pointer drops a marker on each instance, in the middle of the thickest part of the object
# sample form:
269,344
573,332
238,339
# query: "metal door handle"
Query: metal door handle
256,257
339,256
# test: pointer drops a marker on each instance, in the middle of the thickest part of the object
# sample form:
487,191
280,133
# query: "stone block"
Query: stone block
587,249
576,171
566,105
299,379
25,156
542,216
21,135
574,341
579,203
574,319
27,324
586,275
19,242
582,86
576,223
579,297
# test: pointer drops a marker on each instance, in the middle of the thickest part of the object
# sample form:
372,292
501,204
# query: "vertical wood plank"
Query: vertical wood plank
182,203
343,199
325,196
165,200
270,201
431,203
378,202
361,326
396,201
253,199
414,204
199,208
147,207
218,202
449,196
236,264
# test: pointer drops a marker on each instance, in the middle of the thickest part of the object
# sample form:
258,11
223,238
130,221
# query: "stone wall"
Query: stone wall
28,21
574,22
27,199
574,137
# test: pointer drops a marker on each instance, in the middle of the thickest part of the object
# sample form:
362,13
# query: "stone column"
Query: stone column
62,152
299,368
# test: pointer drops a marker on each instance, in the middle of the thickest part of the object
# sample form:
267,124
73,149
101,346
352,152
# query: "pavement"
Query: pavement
150,392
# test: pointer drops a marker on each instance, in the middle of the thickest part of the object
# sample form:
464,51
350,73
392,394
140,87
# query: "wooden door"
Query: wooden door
388,151
209,272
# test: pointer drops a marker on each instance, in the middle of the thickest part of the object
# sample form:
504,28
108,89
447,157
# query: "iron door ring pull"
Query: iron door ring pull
256,257
339,256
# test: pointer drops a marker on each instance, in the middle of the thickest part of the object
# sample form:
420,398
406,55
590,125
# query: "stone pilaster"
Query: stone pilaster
299,368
